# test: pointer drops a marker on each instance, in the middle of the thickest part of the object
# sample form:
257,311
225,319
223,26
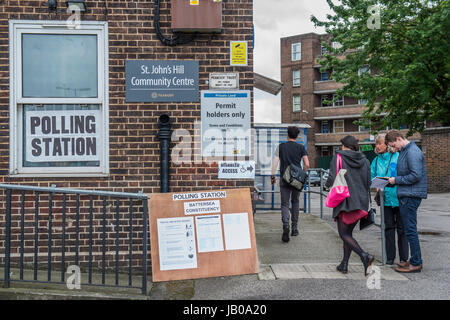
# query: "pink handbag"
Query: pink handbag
339,190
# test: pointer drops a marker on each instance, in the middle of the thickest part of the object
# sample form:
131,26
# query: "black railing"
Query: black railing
135,240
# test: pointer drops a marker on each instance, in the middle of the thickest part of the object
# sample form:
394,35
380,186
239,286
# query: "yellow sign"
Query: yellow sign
238,53
194,2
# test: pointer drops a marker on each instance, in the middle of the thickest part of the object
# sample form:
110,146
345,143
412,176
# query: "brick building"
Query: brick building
89,64
306,94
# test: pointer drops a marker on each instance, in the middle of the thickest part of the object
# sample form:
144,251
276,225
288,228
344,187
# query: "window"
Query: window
324,127
336,45
296,103
339,101
323,50
338,126
362,101
363,70
59,99
324,76
296,51
325,100
296,78
362,128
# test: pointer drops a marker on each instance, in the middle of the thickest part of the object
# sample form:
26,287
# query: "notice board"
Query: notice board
202,234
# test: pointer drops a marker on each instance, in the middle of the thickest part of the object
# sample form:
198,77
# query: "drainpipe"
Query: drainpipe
164,136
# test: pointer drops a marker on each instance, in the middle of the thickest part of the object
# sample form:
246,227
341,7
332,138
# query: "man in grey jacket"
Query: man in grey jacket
412,185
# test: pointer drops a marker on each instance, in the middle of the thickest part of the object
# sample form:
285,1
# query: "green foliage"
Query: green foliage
408,57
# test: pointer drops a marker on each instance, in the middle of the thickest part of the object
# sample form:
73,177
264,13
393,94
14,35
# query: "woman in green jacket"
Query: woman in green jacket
385,165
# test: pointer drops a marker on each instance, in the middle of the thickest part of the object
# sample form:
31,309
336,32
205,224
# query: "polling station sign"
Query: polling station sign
225,117
63,135
161,81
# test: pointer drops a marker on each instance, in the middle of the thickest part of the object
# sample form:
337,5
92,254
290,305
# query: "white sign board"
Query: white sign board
223,81
236,230
209,233
201,207
236,169
63,135
176,243
225,118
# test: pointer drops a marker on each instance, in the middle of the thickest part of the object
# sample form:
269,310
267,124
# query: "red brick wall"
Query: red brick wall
436,149
134,147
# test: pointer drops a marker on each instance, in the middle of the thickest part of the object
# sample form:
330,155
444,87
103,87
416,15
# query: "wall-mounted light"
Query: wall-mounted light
52,5
80,4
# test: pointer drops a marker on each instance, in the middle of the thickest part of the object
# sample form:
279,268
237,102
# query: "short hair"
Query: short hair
380,137
293,132
392,136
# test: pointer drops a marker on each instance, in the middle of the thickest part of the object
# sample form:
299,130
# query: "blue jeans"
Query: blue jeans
408,213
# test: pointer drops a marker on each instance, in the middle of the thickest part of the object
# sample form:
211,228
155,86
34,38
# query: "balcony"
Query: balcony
341,112
330,86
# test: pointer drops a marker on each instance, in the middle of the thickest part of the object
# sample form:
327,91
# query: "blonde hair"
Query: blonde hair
380,137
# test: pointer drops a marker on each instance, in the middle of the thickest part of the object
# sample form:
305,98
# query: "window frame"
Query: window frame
334,126
294,104
294,84
17,101
293,53
322,123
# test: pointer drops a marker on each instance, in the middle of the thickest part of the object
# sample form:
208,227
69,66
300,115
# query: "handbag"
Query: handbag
370,219
295,176
339,191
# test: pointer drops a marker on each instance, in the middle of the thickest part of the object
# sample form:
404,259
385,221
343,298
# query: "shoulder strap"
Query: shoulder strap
387,169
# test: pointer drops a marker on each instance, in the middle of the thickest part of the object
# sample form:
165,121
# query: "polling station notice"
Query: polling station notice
63,135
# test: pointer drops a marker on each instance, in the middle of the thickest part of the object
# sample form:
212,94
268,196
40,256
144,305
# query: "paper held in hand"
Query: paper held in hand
379,182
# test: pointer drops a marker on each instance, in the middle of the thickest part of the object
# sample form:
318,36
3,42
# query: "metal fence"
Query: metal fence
113,209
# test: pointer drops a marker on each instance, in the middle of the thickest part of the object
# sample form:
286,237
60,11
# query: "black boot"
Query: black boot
343,267
367,260
285,237
294,231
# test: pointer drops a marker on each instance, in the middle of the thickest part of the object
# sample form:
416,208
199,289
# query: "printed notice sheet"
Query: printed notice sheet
236,230
209,233
379,182
176,243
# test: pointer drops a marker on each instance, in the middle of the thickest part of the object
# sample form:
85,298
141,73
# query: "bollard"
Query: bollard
164,136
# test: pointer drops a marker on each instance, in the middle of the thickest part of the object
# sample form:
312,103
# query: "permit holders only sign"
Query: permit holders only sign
225,117
161,81
64,135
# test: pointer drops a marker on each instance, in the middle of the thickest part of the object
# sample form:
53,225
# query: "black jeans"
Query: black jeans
289,195
393,221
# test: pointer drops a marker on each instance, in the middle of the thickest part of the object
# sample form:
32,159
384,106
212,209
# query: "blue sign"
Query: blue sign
161,81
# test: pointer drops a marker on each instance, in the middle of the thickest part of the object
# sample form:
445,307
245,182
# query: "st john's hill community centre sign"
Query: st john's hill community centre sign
161,81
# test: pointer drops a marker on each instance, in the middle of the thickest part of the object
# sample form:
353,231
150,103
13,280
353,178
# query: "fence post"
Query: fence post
144,247
7,238
383,227
321,191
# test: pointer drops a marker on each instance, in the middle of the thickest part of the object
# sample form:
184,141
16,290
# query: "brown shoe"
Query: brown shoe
409,269
403,264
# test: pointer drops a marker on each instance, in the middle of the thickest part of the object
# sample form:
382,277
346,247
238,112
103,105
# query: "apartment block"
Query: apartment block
307,97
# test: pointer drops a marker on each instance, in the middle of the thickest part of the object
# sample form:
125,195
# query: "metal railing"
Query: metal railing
307,200
17,194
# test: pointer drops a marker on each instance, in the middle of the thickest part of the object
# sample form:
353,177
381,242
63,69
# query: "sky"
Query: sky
275,19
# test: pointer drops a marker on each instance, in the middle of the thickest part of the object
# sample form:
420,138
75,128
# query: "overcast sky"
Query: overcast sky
275,19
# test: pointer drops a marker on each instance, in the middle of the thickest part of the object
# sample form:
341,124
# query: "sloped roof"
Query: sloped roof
266,84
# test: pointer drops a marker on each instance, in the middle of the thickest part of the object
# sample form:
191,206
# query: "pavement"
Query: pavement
304,268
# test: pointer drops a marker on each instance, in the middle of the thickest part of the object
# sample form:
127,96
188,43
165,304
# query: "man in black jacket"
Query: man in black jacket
288,153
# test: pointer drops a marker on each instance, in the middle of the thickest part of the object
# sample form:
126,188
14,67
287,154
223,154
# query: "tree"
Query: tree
407,52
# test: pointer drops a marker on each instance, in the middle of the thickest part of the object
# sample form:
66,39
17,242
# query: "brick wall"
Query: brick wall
436,149
133,145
